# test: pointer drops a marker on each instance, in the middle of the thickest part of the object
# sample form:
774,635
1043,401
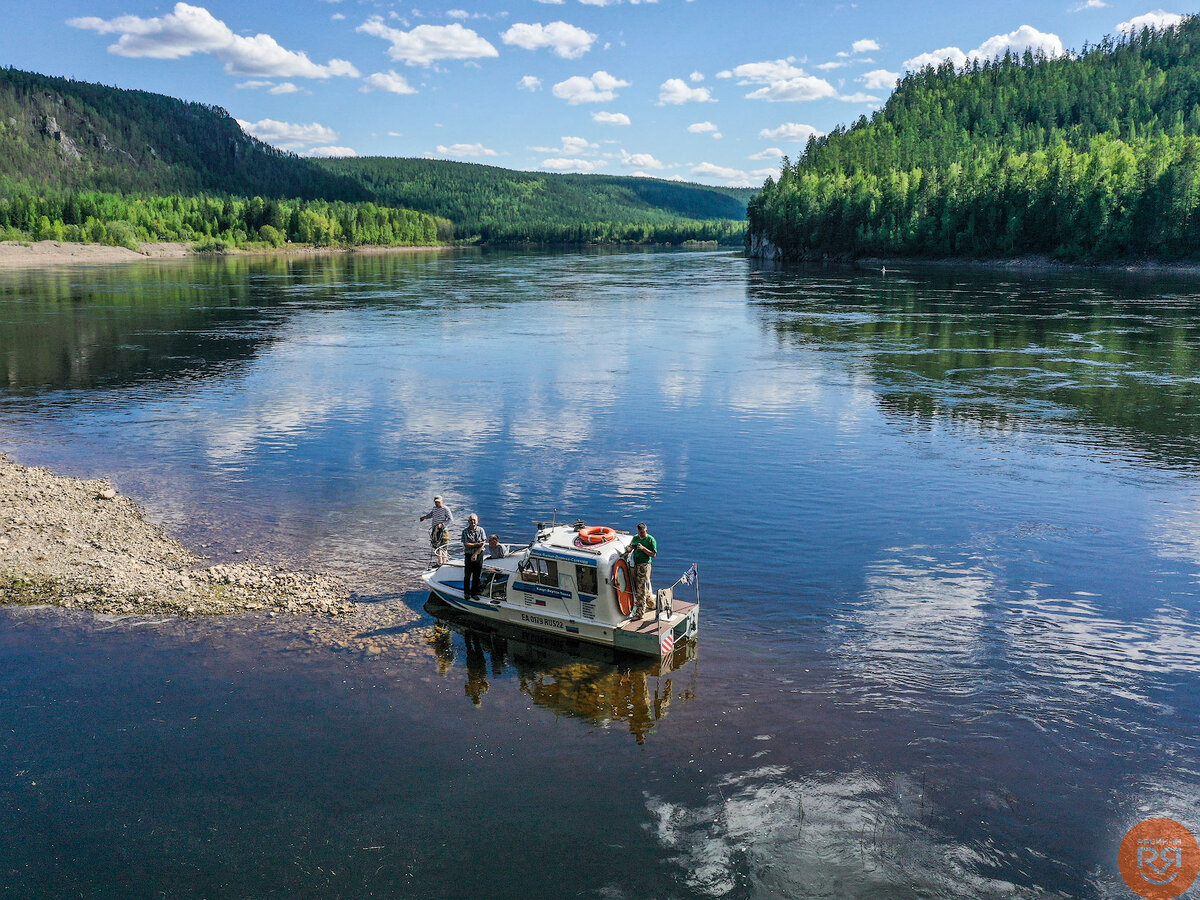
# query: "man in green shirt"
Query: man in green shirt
644,548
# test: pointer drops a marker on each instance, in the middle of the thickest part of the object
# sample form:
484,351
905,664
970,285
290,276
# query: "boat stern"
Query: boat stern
659,636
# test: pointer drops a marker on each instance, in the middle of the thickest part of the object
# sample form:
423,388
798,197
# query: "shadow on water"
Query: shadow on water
570,678
1112,358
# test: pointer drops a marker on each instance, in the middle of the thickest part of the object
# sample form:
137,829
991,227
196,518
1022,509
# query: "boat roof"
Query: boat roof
558,542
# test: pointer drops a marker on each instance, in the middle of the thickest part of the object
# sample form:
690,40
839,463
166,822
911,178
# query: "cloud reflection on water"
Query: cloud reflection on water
918,623
769,833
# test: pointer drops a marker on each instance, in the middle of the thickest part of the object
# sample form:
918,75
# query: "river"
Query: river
947,524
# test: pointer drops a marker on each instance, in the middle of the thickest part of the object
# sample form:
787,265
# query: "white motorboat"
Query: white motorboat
572,581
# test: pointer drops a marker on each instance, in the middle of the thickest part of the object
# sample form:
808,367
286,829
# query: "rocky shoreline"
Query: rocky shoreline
78,544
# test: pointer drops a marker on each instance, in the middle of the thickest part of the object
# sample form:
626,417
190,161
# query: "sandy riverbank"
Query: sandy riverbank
21,254
80,545
34,254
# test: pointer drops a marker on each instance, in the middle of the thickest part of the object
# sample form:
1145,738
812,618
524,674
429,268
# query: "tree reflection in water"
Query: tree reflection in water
571,678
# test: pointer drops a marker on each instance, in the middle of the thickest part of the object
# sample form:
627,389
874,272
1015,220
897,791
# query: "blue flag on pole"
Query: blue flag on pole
689,577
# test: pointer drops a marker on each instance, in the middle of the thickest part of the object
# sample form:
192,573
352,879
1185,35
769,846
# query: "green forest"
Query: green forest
491,204
213,223
87,162
1088,157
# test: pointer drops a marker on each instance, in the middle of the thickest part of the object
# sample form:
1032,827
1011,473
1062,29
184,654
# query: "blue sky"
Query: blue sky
711,91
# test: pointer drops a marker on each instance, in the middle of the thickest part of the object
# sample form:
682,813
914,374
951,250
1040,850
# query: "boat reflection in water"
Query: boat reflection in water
572,678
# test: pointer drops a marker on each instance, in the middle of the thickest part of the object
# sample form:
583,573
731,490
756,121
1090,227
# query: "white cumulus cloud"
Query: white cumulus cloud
563,39
864,46
791,131
640,161
701,127
561,164
1024,38
285,87
676,91
289,135
330,152
599,87
1016,42
936,58
468,150
781,81
763,72
731,176
879,80
611,118
571,146
800,89
768,153
530,83
425,44
1158,20
718,171
193,29
390,81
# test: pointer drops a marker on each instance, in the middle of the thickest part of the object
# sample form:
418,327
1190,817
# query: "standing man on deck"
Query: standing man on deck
474,539
439,535
644,548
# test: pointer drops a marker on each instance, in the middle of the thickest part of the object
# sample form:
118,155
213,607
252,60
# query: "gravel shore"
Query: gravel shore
40,254
80,545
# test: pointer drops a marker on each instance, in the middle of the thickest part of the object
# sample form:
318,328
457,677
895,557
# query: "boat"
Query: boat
572,581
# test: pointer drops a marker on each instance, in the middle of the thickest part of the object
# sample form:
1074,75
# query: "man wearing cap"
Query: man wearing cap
439,536
474,539
644,548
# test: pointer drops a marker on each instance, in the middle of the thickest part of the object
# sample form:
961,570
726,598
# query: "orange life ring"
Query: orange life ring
597,534
620,573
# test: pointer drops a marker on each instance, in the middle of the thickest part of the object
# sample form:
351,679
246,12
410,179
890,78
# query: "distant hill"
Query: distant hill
59,133
1093,156
59,136
496,203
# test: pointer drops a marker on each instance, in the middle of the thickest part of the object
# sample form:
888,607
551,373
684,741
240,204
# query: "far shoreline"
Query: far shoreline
1025,265
1037,264
37,254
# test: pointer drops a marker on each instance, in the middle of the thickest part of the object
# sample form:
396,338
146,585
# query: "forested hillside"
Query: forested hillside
1090,157
58,133
495,204
88,162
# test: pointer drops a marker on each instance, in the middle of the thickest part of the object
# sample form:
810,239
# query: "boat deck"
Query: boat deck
648,624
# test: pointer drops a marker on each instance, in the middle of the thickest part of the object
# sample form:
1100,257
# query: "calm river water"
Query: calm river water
948,531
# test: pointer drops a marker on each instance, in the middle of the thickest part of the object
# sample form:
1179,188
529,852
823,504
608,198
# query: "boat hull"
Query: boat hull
650,636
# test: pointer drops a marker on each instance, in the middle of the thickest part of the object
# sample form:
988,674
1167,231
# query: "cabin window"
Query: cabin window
542,571
585,577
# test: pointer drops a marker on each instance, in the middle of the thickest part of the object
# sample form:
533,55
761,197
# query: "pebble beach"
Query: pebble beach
79,544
